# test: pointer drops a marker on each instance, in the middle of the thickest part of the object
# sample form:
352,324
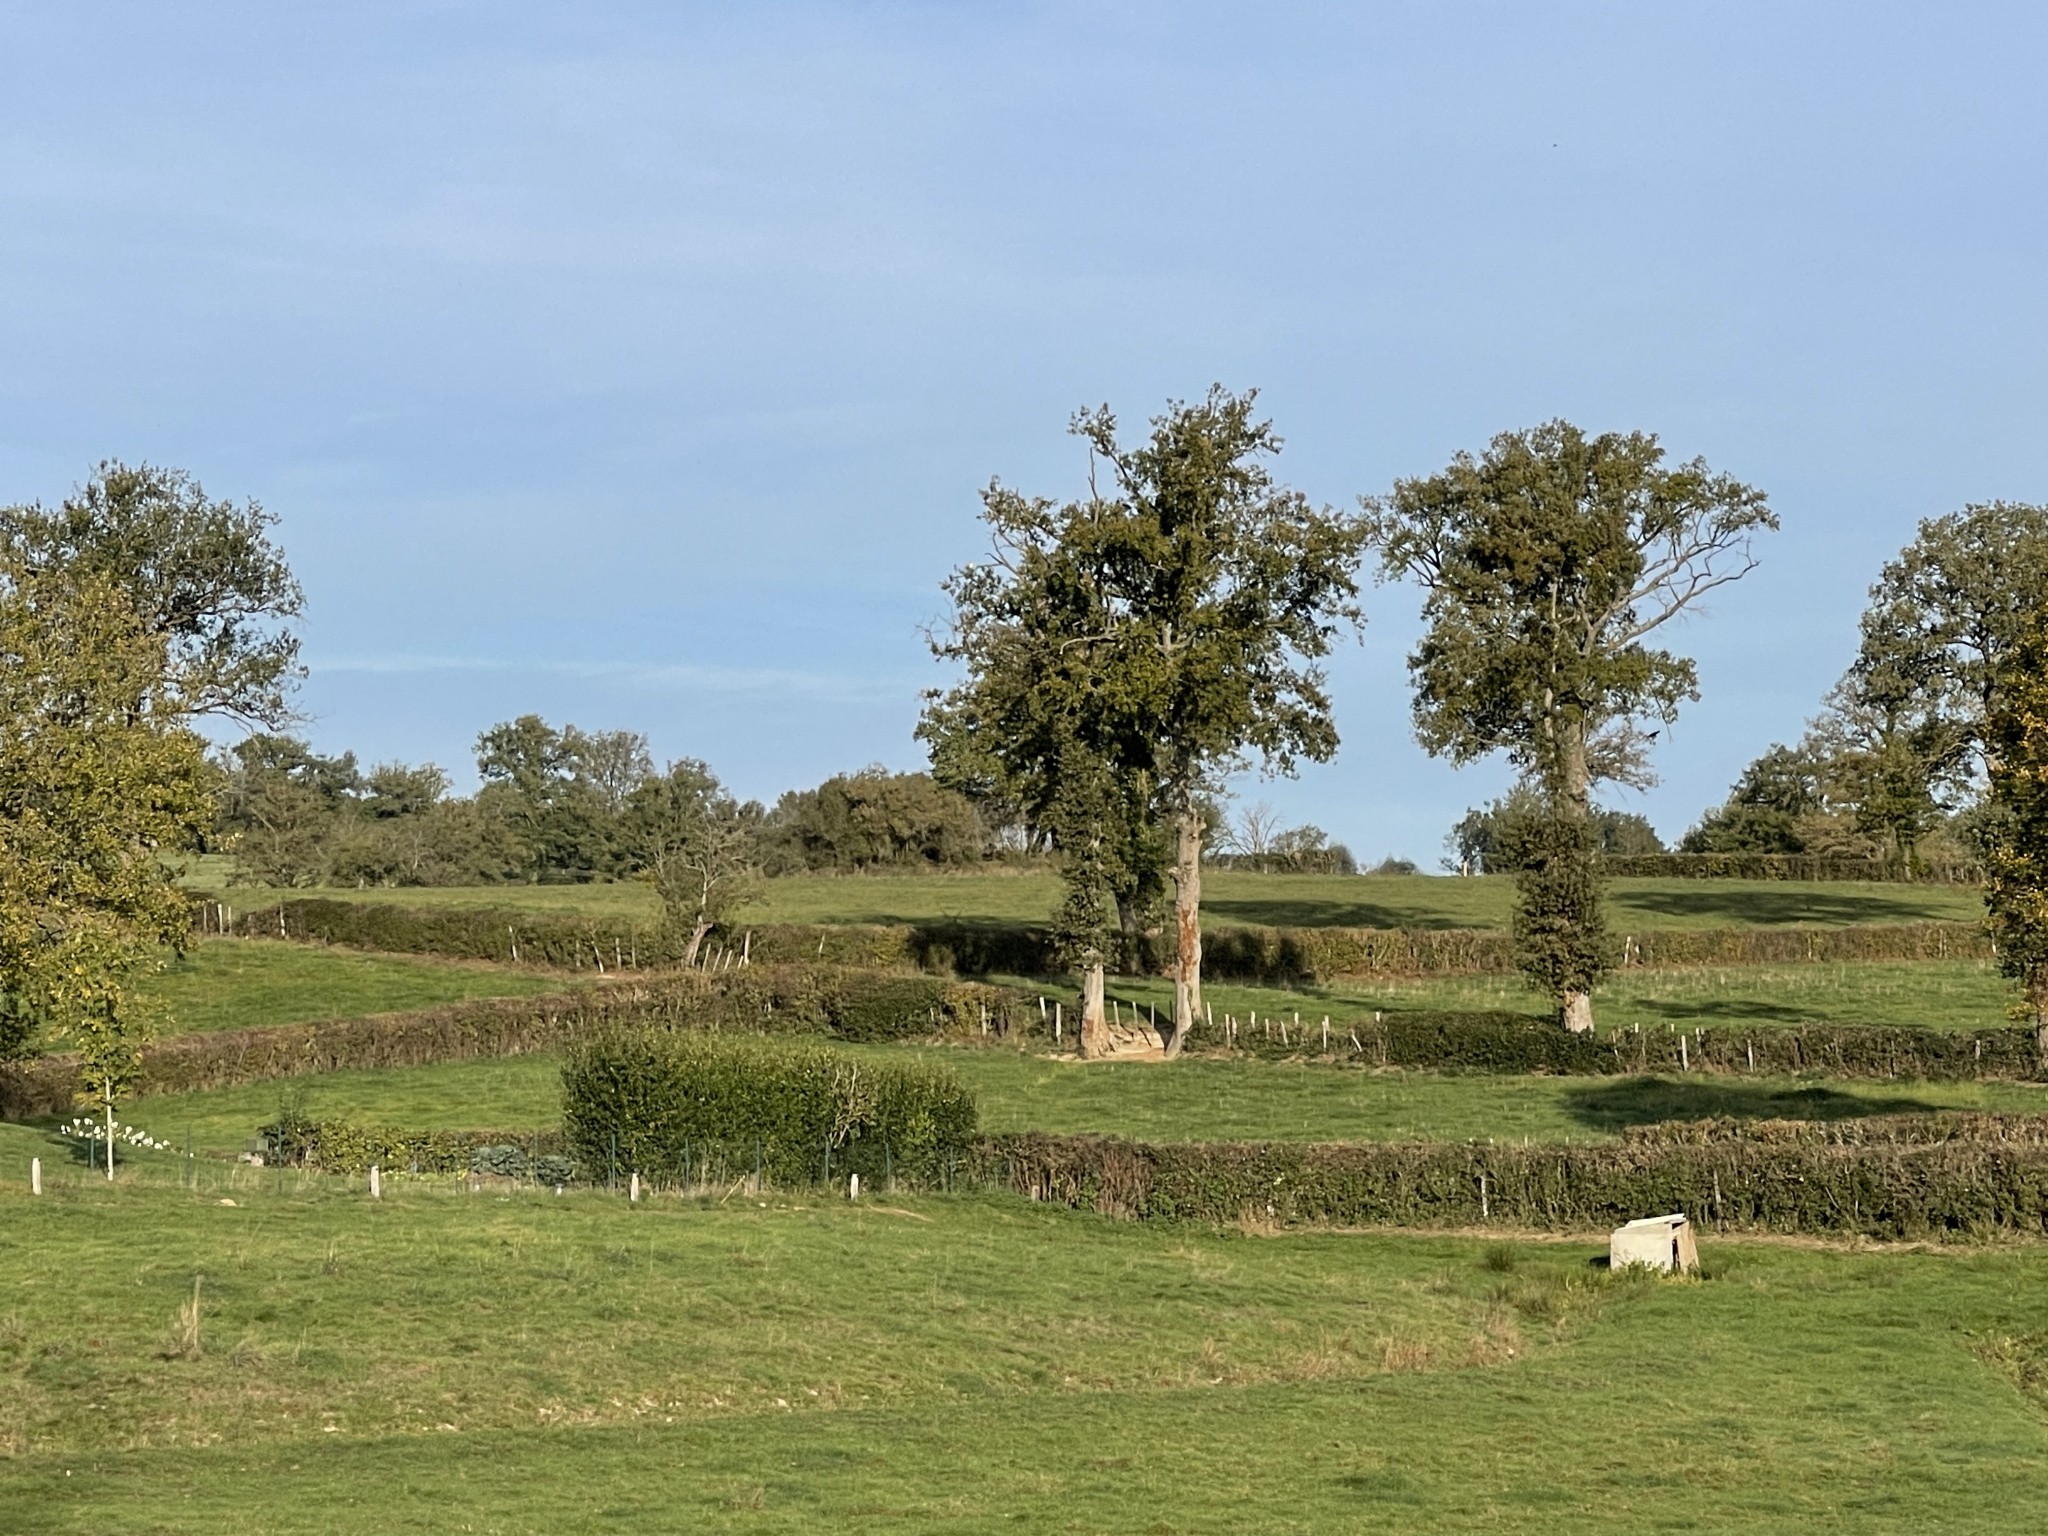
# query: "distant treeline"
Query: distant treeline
558,806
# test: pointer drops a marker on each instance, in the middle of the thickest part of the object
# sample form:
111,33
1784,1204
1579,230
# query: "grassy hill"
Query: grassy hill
524,1363
1229,898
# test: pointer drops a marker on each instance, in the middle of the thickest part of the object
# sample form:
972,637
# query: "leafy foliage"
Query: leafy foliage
99,781
1547,564
678,1108
1560,936
2016,855
201,576
869,820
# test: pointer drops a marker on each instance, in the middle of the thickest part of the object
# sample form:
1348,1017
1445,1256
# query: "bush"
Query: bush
1952,1188
683,1109
339,1146
892,1009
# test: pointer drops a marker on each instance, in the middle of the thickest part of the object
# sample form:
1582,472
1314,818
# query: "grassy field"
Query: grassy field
244,983
1192,1100
1934,994
1367,901
522,1363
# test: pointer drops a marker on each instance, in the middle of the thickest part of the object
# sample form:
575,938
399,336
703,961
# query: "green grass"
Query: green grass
1933,994
245,983
1229,898
442,1362
1192,1100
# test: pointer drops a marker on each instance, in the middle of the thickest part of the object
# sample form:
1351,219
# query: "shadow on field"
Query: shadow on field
1269,912
1724,1008
1793,904
1614,1106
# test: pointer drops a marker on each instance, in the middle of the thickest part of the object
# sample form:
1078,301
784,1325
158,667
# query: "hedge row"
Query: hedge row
1283,955
1502,1042
838,1002
1959,1125
608,946
1779,866
1293,955
1896,1191
340,1146
692,1109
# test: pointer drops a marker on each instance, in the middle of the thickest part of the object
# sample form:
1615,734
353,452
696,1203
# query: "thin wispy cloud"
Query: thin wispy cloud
669,677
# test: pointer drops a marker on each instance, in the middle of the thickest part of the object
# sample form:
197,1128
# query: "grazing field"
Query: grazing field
246,983
1933,994
522,1363
1229,898
1193,1100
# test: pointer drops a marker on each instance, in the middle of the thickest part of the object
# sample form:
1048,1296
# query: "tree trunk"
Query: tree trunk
1578,1012
110,1135
1187,928
1094,1022
2037,994
697,932
1576,1005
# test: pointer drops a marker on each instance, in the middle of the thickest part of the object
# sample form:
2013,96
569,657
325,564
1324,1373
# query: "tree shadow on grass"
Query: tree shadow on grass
1738,1008
1794,903
1617,1104
1269,912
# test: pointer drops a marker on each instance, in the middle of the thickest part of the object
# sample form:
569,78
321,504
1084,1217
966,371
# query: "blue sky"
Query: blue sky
639,365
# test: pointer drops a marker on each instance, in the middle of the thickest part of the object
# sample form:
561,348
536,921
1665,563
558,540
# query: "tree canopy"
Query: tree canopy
202,575
1547,565
100,781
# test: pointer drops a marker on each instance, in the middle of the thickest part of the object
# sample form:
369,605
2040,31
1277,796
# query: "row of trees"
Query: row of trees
1898,764
1124,653
570,805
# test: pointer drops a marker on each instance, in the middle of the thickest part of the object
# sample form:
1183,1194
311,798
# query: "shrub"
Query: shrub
686,1108
893,1009
339,1146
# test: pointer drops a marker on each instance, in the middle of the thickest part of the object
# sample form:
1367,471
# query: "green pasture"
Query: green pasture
245,983
1198,1099
1932,994
517,1362
1229,898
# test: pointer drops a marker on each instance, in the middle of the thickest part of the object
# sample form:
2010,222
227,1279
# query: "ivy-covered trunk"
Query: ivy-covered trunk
1187,927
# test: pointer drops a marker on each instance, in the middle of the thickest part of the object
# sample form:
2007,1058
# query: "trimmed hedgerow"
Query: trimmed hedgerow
1784,866
1976,1127
1297,955
1949,1189
1508,1043
690,1109
801,1000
